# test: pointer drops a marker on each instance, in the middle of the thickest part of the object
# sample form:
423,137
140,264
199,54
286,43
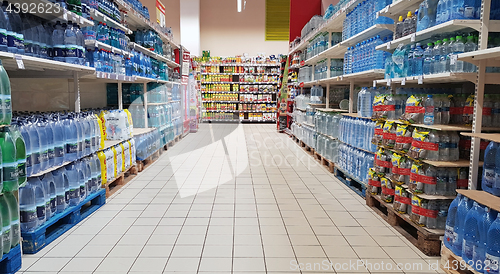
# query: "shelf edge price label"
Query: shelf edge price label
453,59
374,83
420,79
388,45
301,85
19,61
403,82
412,37
389,82
65,16
81,20
302,63
377,15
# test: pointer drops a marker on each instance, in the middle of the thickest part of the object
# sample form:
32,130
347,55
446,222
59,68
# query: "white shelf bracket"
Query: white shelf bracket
327,100
76,88
351,96
145,88
120,97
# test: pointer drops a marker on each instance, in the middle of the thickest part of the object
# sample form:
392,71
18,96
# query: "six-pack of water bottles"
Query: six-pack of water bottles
363,56
363,16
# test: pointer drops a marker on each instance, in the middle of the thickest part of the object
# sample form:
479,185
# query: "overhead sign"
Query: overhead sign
160,13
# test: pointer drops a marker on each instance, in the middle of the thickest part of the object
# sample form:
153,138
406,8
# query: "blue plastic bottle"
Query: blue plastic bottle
479,255
40,196
458,231
58,48
491,173
493,248
418,60
71,134
471,231
450,222
74,185
27,208
50,191
59,178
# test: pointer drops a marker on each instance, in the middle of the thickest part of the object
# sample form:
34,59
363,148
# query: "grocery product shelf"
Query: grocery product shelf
153,54
446,77
428,196
495,137
447,27
47,10
243,65
359,77
225,92
335,52
353,115
140,131
221,120
378,29
367,151
448,127
218,101
482,197
334,24
296,66
135,19
35,67
241,83
100,45
246,73
398,8
491,56
332,110
459,163
101,17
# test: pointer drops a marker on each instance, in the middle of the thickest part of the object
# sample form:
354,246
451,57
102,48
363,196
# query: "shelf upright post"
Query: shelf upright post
351,96
76,87
479,96
120,98
327,100
145,88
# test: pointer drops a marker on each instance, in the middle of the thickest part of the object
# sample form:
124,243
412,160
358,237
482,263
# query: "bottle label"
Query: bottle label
71,148
467,249
82,190
489,177
87,143
74,193
443,145
44,51
491,264
53,204
89,186
7,105
449,234
28,160
59,51
10,173
6,233
40,212
21,170
59,152
71,51
51,153
99,179
3,37
36,158
487,111
67,195
44,156
27,216
60,200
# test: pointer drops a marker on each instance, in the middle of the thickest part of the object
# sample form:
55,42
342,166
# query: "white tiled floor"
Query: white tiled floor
232,199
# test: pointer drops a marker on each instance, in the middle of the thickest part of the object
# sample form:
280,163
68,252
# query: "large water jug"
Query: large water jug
471,231
15,227
40,201
493,248
71,134
27,207
50,190
61,191
449,235
74,185
59,140
479,255
458,231
6,219
491,155
82,180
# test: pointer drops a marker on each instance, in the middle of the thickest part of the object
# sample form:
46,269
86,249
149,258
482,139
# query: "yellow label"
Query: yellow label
123,157
102,159
114,158
102,129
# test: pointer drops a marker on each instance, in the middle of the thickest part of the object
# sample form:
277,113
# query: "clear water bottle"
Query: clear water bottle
15,225
40,199
427,66
59,46
74,185
50,191
61,190
429,110
464,207
6,219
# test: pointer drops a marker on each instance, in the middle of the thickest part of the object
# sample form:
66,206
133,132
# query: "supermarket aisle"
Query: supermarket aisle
187,214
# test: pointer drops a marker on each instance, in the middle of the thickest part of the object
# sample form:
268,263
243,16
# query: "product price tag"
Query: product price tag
374,83
81,20
389,82
412,37
121,77
65,16
19,61
386,10
420,79
377,15
104,19
453,59
403,82
388,45
341,78
109,76
73,16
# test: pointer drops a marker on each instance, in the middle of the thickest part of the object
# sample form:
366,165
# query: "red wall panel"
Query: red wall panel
301,12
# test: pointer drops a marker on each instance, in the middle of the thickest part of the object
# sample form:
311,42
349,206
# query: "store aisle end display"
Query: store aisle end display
255,80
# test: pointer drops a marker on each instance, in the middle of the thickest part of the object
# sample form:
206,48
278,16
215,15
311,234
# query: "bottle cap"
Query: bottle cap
429,95
400,18
429,44
459,37
439,42
409,14
452,39
418,45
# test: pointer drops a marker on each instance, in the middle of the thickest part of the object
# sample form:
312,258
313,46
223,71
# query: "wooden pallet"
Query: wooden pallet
329,165
11,262
60,223
142,164
307,148
120,181
350,181
453,264
427,240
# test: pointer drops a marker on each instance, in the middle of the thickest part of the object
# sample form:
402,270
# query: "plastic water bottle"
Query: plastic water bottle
418,60
80,42
450,222
15,225
493,248
471,231
74,185
6,218
458,231
479,254
427,67
71,134
436,60
20,154
71,44
490,171
59,48
61,191
429,110
9,161
50,190
27,207
458,47
59,140
40,199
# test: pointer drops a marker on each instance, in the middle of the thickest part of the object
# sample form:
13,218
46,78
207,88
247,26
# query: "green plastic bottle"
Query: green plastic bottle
20,155
15,228
9,161
5,96
6,234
